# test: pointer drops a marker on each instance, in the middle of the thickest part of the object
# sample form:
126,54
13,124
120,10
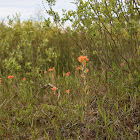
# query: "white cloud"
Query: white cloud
20,3
8,11
27,8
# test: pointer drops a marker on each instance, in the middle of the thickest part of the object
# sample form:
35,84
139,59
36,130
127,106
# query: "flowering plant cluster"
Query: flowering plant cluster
68,73
10,77
83,59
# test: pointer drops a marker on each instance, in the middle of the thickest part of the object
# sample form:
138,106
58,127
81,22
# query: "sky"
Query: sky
30,8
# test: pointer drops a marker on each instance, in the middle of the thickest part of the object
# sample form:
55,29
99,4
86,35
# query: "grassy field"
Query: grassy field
81,105
72,84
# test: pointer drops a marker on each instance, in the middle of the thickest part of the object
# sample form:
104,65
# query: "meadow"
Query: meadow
78,83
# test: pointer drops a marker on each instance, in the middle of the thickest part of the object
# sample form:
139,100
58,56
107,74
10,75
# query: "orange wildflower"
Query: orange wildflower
85,58
10,77
87,70
78,68
45,72
24,79
84,63
0,78
54,88
82,59
68,73
0,81
52,69
122,64
82,75
68,91
58,76
51,74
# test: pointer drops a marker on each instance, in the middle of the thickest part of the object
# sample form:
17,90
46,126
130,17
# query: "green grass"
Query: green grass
29,110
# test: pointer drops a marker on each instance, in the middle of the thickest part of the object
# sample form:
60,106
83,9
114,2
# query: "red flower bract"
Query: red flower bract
78,68
122,64
87,70
68,73
82,59
45,72
54,88
68,91
52,69
10,77
24,79
82,75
